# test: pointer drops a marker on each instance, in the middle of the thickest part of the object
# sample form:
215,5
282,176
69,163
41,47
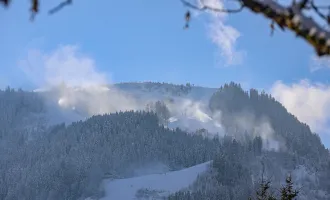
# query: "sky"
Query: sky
140,40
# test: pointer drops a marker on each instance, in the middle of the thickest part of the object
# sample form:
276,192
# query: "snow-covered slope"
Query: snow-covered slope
191,124
187,104
156,91
152,186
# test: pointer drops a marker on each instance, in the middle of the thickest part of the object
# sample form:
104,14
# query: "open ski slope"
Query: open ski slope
157,185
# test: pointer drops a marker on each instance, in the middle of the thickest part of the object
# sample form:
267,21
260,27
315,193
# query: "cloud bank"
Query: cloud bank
309,102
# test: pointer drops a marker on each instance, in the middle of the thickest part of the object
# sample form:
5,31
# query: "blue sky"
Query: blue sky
144,40
147,39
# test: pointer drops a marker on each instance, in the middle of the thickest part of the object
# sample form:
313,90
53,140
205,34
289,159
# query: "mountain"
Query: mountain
69,162
60,143
185,102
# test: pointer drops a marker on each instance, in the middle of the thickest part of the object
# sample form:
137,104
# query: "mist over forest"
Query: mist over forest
79,142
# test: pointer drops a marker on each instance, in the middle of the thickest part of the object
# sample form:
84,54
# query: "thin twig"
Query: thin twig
303,4
206,7
5,2
320,14
60,6
34,9
291,18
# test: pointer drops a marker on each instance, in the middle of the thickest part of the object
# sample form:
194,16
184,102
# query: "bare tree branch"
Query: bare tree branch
5,2
319,13
302,4
60,6
291,18
206,7
34,8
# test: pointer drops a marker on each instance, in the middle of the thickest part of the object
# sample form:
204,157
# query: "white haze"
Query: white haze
191,115
72,80
259,127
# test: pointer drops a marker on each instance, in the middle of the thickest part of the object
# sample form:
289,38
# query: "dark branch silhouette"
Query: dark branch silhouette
60,6
206,7
291,18
35,6
5,2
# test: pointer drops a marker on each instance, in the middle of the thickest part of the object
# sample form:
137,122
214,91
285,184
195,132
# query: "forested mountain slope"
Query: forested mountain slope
251,132
236,169
70,162
296,137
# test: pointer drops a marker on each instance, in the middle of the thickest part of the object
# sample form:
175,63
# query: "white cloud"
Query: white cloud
63,65
222,35
309,102
74,81
317,63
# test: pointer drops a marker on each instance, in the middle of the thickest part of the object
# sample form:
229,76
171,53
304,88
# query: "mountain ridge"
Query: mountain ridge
253,128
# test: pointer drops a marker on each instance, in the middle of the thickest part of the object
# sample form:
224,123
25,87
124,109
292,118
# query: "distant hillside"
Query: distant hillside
250,131
69,162
297,137
156,90
245,115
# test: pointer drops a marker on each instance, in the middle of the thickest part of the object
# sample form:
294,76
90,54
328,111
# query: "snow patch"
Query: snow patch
155,185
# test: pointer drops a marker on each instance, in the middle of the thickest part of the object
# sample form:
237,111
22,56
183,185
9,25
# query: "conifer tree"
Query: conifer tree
287,192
